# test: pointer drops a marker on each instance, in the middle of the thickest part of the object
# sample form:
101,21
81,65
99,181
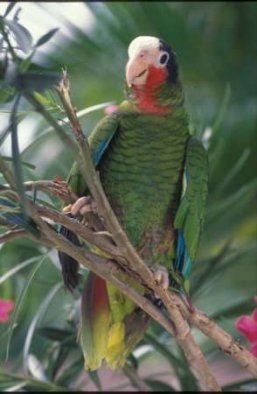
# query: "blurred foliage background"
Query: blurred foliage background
215,45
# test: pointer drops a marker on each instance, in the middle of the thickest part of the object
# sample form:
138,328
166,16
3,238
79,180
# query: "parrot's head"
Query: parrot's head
151,66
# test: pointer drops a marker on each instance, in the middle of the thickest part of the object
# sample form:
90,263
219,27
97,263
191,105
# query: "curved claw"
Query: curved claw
161,275
83,205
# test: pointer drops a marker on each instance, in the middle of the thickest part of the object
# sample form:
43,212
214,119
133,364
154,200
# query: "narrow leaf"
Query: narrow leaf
41,311
158,385
21,34
70,373
162,349
9,8
36,81
16,154
46,37
7,130
17,268
19,303
222,109
24,163
54,334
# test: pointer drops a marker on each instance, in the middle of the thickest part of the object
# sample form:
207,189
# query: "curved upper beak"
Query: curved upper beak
135,68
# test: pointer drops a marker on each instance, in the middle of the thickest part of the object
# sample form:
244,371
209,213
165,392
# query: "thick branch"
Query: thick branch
222,338
79,229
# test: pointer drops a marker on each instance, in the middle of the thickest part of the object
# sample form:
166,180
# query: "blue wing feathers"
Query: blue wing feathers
182,261
100,149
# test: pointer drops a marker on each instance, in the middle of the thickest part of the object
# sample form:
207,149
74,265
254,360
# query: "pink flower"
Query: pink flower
247,325
5,308
110,109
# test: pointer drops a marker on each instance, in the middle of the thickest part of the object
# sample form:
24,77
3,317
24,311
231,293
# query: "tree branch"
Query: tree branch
12,234
221,337
56,186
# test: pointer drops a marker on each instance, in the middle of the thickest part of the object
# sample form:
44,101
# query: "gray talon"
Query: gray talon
161,275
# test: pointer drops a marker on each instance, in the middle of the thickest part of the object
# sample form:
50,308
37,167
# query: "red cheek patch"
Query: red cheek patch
156,76
146,96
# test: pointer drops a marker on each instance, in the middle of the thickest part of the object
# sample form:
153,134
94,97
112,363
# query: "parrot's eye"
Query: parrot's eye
163,60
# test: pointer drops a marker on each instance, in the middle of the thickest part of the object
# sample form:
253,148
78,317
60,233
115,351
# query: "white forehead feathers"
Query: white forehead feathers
147,43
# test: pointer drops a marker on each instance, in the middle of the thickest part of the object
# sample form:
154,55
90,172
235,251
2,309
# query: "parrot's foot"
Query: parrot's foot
161,275
84,205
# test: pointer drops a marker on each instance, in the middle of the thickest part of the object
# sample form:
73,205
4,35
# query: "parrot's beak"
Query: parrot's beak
136,71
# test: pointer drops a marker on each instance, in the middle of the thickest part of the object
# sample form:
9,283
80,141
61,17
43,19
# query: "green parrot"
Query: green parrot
155,176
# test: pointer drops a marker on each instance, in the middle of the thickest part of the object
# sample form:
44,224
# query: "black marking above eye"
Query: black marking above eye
164,58
171,63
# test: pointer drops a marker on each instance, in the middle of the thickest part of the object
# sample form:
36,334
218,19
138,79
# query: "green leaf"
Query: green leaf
41,311
9,8
24,163
7,130
46,37
19,303
70,373
222,110
134,361
10,381
162,349
17,268
232,200
234,310
16,157
186,378
21,34
209,267
36,81
234,170
95,378
54,334
6,93
158,385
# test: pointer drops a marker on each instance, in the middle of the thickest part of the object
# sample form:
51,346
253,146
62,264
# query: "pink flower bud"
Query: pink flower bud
247,325
5,308
110,109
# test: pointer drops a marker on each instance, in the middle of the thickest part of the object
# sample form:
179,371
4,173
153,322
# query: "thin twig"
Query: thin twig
12,234
56,186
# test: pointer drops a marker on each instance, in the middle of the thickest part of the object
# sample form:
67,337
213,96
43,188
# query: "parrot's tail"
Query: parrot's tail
107,333
69,265
111,324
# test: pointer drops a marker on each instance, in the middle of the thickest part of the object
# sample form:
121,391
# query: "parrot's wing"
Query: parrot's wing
190,214
98,141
